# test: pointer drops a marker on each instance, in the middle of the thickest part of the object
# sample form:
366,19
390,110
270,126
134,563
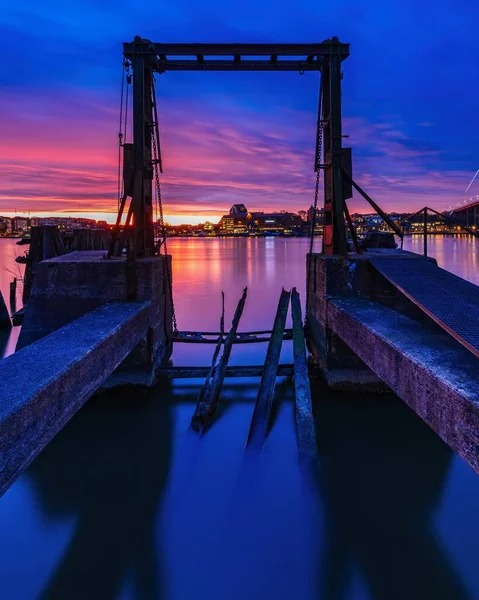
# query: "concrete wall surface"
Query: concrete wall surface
69,286
352,276
43,385
429,370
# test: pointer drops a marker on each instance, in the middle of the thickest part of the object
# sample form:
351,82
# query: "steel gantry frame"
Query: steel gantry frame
146,58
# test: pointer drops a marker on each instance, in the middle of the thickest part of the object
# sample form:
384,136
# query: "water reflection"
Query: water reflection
101,469
383,473
382,476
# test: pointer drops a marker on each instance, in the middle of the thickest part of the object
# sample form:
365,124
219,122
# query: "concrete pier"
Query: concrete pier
69,286
366,333
354,276
434,374
43,385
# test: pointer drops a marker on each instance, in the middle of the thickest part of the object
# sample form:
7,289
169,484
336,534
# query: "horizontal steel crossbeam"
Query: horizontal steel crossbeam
232,65
230,57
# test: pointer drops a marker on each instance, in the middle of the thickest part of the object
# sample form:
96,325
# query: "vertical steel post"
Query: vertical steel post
334,240
327,173
142,122
425,232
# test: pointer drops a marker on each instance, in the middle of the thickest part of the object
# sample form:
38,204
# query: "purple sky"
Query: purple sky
410,93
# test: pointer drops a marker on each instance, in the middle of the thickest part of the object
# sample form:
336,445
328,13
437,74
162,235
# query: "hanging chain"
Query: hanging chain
161,241
317,167
316,188
120,133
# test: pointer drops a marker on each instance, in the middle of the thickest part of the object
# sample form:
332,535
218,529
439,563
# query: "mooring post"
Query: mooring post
13,289
13,296
5,322
45,243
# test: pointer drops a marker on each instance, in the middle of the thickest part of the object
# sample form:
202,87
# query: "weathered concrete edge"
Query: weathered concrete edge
28,426
140,378
448,406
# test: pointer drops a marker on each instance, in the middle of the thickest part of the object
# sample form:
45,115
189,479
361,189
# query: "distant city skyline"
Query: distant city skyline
182,219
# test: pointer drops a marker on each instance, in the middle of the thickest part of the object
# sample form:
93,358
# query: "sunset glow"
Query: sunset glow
232,137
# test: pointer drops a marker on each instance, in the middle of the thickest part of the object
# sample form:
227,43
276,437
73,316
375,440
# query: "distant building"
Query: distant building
319,215
233,224
209,228
5,225
70,223
20,225
279,222
238,209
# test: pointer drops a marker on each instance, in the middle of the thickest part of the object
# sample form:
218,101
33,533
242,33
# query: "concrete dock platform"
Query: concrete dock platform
430,371
393,319
69,286
43,385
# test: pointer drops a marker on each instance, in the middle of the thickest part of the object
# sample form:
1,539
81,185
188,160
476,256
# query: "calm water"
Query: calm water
126,504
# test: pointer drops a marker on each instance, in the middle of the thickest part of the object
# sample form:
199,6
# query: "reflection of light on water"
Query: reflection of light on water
269,257
269,534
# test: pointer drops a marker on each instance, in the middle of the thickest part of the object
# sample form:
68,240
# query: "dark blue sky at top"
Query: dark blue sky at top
410,84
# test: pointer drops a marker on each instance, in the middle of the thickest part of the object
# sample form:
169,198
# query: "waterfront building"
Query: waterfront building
235,222
278,222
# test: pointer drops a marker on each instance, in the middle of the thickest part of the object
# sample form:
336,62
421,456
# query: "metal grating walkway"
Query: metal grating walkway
452,302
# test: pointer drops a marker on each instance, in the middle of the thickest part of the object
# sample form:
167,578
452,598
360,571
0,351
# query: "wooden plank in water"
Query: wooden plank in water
264,401
217,333
305,430
197,337
284,370
210,392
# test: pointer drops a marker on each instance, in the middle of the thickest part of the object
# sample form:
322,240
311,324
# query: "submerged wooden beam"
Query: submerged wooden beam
284,370
305,430
196,337
264,402
210,392
239,333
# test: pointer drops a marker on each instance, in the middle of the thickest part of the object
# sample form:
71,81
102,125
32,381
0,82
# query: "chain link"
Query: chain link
316,188
317,167
161,223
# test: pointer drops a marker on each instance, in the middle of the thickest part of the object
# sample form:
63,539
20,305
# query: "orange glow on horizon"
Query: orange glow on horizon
110,217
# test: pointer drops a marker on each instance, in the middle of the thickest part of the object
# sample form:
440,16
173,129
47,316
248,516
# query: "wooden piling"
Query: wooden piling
45,243
305,429
264,402
5,322
13,289
99,239
82,240
210,393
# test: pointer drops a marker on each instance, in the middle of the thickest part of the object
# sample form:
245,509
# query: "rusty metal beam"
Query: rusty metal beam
325,48
236,65
397,230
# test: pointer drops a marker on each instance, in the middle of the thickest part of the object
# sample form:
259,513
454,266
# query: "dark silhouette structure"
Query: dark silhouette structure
108,467
382,472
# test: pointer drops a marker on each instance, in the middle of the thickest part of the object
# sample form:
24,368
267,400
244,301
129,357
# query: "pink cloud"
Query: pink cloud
63,156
